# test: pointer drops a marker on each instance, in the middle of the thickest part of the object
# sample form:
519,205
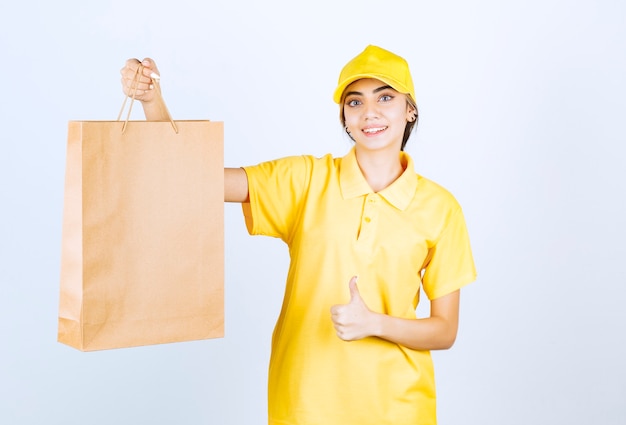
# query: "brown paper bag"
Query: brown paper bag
143,241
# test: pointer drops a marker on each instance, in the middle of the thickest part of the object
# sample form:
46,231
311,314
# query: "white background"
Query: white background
522,113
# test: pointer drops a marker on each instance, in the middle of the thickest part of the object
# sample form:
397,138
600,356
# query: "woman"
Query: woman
347,351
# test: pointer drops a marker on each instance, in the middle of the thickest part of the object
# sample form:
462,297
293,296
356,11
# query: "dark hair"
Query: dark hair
410,126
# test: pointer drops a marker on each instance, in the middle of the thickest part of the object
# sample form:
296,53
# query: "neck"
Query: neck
380,169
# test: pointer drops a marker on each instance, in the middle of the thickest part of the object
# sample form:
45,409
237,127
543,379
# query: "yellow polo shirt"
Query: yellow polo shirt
408,235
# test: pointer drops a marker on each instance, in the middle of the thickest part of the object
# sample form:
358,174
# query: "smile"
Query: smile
374,130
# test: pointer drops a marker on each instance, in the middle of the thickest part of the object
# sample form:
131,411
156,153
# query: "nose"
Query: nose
371,110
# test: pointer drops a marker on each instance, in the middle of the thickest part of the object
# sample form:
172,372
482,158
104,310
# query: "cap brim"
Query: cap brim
345,83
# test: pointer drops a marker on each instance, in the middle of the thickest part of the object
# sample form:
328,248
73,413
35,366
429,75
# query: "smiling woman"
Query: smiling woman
376,116
345,352
380,64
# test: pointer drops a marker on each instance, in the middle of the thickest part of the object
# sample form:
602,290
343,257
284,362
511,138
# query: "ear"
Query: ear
411,113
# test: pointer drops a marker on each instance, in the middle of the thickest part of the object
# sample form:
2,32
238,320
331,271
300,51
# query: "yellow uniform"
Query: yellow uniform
410,234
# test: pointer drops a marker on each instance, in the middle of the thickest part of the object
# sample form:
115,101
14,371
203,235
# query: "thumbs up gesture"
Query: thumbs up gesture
354,320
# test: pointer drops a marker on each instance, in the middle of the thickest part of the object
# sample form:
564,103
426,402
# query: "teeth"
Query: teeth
374,130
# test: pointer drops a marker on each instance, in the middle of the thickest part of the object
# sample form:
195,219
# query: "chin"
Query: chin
381,145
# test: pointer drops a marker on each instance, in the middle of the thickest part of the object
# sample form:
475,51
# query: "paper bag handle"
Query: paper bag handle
157,86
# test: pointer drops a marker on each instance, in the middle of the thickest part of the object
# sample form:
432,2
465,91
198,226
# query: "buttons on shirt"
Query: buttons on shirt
369,212
369,219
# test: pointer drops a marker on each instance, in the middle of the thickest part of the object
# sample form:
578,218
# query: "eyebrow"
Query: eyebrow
358,93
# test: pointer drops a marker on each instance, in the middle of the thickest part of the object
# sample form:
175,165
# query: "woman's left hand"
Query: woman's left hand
354,320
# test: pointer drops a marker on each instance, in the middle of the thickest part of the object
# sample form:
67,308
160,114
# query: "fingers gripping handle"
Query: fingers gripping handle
134,93
157,86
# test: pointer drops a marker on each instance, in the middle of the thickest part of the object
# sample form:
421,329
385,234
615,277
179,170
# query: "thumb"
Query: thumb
354,289
150,66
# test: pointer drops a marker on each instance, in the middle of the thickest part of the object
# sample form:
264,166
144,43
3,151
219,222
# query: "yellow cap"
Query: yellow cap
375,62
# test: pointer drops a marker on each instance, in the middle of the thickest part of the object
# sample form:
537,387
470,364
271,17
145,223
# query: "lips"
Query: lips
374,130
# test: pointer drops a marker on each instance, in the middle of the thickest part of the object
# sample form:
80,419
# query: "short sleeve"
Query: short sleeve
451,264
276,190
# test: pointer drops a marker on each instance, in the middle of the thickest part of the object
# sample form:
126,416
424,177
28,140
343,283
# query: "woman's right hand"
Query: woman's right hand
145,89
153,106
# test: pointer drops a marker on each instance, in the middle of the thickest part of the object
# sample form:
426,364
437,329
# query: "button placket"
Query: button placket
370,216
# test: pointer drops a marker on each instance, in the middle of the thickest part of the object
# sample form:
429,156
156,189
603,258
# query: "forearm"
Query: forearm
432,333
355,320
155,110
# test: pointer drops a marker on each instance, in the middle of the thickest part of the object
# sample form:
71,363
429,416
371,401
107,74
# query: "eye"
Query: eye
353,102
386,98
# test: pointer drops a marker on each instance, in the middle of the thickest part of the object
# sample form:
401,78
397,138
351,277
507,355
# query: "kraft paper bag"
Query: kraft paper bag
143,242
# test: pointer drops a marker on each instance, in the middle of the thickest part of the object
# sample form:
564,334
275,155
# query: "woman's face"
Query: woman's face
375,114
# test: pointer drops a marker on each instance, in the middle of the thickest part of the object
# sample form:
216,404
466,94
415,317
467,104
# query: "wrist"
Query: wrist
153,110
377,323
